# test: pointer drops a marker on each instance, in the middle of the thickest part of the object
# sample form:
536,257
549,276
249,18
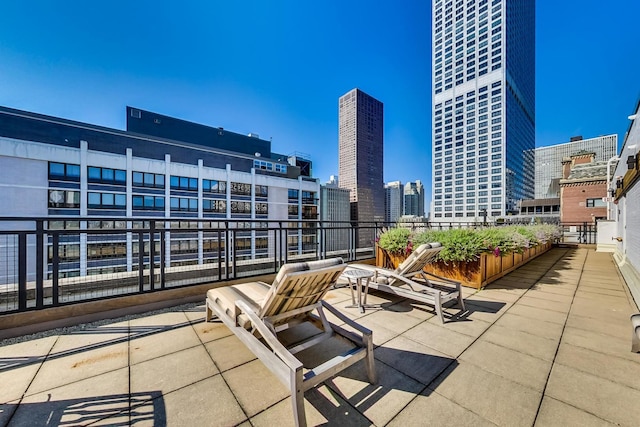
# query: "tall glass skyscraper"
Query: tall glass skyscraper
360,151
483,135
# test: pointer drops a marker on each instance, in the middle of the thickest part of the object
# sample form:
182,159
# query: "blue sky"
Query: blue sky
277,68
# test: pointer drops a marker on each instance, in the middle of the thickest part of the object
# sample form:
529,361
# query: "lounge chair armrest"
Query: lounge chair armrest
345,319
440,278
268,336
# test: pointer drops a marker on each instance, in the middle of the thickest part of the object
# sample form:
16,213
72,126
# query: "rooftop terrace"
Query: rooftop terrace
548,344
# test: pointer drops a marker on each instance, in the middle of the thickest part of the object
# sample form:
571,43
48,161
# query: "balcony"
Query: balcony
545,345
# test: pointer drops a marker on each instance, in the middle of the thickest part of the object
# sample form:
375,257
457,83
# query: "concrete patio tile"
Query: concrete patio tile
531,326
379,402
206,402
398,322
533,345
503,295
499,400
159,344
381,334
513,365
89,338
431,409
322,407
605,399
486,309
591,309
555,413
618,327
613,368
255,387
163,320
539,314
59,371
19,363
229,352
602,343
568,290
173,371
84,401
210,331
413,359
604,301
584,288
7,410
439,338
550,296
473,328
413,309
532,301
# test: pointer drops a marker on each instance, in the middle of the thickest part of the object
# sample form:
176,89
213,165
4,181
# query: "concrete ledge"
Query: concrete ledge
630,275
32,321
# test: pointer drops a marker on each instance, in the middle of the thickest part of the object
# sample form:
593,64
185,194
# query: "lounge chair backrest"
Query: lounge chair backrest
300,284
421,256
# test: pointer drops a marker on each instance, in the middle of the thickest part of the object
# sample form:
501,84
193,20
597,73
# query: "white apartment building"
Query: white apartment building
483,92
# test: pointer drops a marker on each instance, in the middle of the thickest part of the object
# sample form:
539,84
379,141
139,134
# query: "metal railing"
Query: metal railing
47,262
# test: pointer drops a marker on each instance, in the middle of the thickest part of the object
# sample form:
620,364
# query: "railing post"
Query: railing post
141,261
22,271
162,257
39,263
152,253
55,270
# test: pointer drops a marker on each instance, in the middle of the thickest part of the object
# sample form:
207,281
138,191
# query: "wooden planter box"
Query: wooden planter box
475,274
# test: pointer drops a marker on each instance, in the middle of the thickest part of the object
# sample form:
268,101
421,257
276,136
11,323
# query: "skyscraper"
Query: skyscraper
360,150
483,107
394,201
549,160
414,198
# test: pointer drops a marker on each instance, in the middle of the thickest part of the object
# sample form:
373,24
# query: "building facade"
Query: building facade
483,95
394,203
414,199
360,158
549,161
583,189
55,168
335,214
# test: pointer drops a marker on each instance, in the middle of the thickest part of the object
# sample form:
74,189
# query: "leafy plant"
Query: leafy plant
395,240
467,244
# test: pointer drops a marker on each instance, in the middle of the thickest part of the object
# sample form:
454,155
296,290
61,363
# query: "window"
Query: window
64,171
213,186
293,194
146,179
595,203
106,201
240,207
154,203
183,204
106,175
240,188
64,199
183,183
261,209
215,206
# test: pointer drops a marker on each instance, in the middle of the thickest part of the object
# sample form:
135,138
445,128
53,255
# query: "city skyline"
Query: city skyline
275,71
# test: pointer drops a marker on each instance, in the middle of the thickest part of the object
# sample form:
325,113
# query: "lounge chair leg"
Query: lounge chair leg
460,300
209,312
297,398
438,304
370,362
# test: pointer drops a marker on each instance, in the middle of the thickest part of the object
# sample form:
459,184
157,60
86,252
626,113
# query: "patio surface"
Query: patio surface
547,345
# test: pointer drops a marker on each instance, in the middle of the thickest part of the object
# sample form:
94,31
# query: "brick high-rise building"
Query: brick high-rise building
360,158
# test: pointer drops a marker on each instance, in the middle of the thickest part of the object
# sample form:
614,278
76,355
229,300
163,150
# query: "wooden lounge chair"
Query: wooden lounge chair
410,280
257,313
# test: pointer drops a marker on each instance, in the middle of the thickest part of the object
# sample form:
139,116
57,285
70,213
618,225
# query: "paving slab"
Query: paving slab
229,352
524,342
497,399
431,409
603,398
616,369
554,413
444,340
